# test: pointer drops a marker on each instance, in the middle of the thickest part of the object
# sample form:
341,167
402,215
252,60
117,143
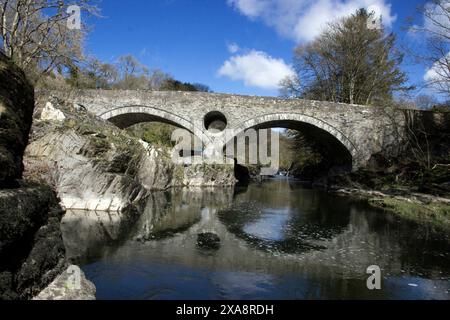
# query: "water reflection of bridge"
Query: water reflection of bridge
168,228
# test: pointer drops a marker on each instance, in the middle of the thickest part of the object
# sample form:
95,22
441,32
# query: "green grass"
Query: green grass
434,213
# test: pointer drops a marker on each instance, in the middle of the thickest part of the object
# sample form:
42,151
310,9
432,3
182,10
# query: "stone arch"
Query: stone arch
124,117
289,120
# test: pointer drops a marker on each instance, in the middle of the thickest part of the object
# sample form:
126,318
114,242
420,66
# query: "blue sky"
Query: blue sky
234,46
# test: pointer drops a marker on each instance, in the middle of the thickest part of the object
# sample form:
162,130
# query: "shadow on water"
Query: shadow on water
278,240
282,215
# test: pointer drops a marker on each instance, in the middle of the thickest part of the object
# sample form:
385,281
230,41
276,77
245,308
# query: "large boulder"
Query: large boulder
208,240
32,252
16,113
67,287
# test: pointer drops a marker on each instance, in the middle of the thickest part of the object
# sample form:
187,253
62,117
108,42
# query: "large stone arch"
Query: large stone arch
289,120
124,117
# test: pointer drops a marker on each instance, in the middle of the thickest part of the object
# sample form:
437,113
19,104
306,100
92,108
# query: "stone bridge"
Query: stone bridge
351,133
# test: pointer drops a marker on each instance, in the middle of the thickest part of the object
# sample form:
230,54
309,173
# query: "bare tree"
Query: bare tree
349,63
134,74
157,78
92,74
35,33
425,101
435,29
130,66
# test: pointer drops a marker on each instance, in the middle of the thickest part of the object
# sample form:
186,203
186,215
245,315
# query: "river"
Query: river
278,240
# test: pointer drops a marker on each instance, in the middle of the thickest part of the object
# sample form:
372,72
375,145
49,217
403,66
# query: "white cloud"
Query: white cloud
233,48
303,20
431,74
439,71
440,23
256,69
251,8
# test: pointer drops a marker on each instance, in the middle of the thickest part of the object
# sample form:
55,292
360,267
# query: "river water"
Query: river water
278,240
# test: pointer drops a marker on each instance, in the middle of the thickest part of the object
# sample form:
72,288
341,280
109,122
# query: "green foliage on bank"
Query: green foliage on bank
434,213
159,134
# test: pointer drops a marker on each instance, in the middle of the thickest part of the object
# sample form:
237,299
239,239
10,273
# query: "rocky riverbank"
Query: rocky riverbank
32,252
414,180
94,166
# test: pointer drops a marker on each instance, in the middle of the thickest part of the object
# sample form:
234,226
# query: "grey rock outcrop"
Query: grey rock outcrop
16,112
158,172
85,182
64,288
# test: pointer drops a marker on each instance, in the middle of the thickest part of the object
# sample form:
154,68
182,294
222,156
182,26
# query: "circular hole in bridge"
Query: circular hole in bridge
215,121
